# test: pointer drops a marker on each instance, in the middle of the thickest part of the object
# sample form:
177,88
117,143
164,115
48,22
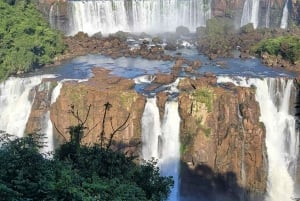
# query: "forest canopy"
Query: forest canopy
26,40
76,172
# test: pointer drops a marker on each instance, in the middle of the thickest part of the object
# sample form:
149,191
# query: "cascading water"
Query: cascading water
150,130
250,13
15,103
169,161
161,141
243,172
282,141
94,16
48,128
56,92
285,15
150,16
268,14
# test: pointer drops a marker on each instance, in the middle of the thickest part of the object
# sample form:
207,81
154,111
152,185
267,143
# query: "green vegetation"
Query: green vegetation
288,47
207,131
248,28
214,38
186,140
204,96
26,41
76,172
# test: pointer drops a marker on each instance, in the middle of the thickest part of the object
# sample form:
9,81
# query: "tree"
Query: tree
26,40
77,172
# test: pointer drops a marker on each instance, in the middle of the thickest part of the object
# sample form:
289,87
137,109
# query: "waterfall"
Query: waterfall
268,14
250,13
161,141
169,162
285,14
243,173
15,103
150,130
47,127
94,16
56,92
150,16
282,141
48,130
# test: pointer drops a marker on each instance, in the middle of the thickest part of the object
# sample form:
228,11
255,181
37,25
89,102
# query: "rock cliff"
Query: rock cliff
222,140
221,130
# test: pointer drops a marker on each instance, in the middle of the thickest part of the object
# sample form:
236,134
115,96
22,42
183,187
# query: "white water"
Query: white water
268,14
15,103
47,129
56,92
161,141
243,172
144,79
169,162
282,142
250,13
150,130
48,126
151,16
285,15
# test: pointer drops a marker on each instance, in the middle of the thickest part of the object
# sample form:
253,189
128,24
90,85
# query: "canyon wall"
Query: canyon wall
221,130
222,140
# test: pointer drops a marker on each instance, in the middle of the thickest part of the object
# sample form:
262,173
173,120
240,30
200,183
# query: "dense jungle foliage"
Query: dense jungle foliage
75,173
26,40
285,46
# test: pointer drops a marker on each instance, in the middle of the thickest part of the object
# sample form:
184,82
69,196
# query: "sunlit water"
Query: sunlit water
157,139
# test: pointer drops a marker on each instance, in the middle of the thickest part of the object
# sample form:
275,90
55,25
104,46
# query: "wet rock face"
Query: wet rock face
97,92
221,130
40,106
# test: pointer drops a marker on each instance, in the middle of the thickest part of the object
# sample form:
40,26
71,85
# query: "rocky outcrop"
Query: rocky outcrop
96,92
222,140
221,130
40,106
114,46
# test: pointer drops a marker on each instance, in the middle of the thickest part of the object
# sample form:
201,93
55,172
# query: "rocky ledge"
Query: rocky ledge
220,129
114,46
220,39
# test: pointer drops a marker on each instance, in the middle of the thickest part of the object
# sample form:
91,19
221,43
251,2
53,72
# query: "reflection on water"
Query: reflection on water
80,67
232,66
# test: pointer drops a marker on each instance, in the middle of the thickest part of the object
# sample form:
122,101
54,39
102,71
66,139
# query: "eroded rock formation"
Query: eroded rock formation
222,140
221,130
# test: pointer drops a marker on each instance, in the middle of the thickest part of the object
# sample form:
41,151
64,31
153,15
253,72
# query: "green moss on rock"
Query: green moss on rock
205,96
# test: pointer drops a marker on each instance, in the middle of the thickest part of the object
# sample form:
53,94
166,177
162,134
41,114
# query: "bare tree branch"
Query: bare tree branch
122,127
59,132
